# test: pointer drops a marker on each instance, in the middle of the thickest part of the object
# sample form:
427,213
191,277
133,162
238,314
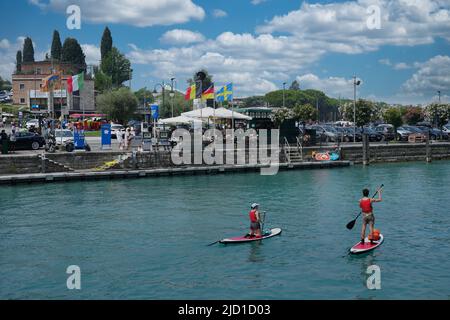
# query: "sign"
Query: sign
155,111
35,107
79,139
106,136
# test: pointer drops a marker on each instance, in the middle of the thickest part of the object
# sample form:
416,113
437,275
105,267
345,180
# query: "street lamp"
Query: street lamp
172,93
284,97
355,84
439,95
162,85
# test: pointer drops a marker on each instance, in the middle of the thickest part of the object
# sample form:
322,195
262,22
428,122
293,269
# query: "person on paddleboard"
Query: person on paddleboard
367,209
255,222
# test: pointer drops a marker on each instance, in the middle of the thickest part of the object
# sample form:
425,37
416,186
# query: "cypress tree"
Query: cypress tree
28,50
19,61
107,43
73,53
56,46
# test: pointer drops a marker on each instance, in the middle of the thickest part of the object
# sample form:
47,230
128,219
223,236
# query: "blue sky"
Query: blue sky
258,45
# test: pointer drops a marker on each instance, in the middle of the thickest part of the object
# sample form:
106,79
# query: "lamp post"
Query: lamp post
355,84
172,93
439,95
284,97
155,92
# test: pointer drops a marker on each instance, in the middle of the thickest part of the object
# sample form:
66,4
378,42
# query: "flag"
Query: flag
209,93
75,83
190,93
47,82
225,93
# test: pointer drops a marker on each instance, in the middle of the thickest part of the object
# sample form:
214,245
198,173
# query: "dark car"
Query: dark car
435,134
29,141
387,131
374,136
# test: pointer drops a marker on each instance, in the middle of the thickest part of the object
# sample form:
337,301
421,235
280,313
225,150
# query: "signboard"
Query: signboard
35,107
79,139
155,111
106,136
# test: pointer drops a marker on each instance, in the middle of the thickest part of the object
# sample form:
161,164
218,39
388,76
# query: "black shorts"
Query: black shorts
254,226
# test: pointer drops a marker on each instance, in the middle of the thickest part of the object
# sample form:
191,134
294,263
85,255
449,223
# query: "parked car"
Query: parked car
403,133
62,136
115,128
344,135
325,133
29,141
435,134
32,123
416,134
374,136
446,128
387,130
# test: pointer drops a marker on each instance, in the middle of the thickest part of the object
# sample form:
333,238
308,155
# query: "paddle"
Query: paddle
352,223
263,222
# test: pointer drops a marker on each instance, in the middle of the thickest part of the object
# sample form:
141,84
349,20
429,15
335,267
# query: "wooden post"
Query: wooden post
428,148
366,149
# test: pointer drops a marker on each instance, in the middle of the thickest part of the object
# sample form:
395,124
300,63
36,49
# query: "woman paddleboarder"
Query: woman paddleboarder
255,222
367,209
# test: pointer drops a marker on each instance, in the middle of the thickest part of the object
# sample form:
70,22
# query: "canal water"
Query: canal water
147,239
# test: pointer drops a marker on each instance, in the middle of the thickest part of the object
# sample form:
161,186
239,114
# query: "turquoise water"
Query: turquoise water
147,239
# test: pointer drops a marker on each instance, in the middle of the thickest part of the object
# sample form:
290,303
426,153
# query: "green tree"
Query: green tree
393,116
256,101
414,115
73,53
19,61
28,50
144,94
365,112
305,113
206,83
5,84
295,85
117,66
56,46
119,105
438,113
103,82
106,44
280,115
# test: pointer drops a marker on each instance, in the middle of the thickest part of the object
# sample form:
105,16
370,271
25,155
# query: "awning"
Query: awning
220,113
181,119
87,115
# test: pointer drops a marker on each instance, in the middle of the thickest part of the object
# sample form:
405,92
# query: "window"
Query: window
22,100
22,86
38,71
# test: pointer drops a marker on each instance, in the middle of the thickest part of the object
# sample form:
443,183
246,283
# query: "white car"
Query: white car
62,136
32,123
115,128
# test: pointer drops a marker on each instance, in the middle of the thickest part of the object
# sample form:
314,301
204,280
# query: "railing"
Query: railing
287,149
300,147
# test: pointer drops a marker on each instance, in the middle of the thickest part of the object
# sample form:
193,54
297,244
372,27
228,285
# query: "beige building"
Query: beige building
28,83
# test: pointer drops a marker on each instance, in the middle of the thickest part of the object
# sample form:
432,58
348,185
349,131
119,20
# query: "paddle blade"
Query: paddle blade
351,225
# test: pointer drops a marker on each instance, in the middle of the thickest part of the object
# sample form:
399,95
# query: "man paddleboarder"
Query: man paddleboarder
367,209
255,222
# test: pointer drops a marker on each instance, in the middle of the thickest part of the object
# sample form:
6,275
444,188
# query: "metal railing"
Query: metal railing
300,147
287,150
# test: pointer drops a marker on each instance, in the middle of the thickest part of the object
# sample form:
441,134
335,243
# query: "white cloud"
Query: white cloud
131,12
219,13
332,86
256,2
433,75
342,27
92,52
179,36
8,52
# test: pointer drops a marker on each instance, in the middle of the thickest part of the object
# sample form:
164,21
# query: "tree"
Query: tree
56,46
5,84
119,105
19,61
256,101
73,54
393,116
438,113
144,94
117,66
106,44
305,113
206,83
414,115
280,115
295,85
28,50
103,82
365,112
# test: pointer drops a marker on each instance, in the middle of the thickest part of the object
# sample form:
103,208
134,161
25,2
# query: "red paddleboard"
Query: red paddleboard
272,233
367,246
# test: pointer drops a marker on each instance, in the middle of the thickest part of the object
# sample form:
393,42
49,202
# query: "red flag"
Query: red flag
70,85
190,93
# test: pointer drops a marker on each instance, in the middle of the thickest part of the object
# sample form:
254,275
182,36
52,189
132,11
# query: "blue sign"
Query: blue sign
35,107
155,111
106,135
78,139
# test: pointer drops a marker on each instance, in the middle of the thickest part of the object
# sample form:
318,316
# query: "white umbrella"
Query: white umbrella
200,113
228,114
180,119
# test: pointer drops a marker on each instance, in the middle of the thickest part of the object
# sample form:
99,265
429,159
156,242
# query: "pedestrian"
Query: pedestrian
4,142
12,140
120,139
128,138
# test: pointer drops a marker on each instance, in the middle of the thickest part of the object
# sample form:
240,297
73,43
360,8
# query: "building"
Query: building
27,87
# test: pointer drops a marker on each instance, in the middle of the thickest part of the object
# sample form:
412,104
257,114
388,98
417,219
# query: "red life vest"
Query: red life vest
366,205
253,217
